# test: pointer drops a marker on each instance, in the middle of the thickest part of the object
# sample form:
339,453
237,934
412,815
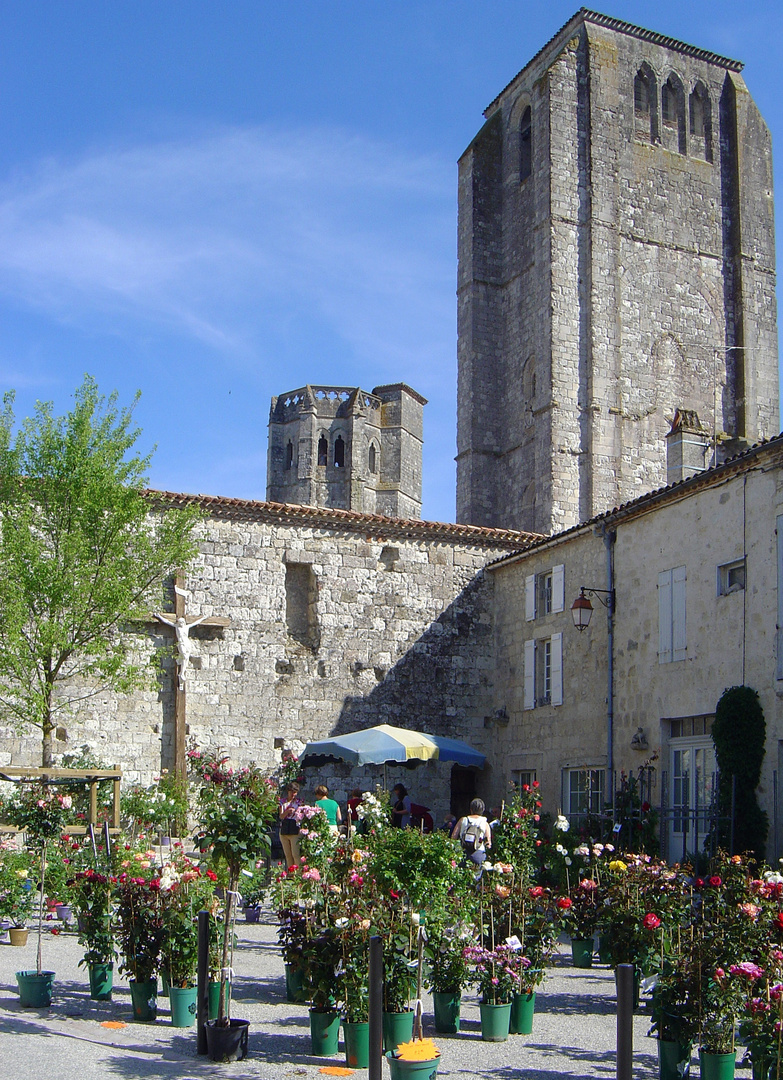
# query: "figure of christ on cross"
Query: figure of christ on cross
182,624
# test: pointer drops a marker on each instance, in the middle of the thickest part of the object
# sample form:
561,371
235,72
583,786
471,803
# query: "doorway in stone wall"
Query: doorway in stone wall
463,789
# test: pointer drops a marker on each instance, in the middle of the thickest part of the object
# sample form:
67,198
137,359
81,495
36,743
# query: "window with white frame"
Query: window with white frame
523,778
544,593
731,577
583,794
543,672
671,615
693,777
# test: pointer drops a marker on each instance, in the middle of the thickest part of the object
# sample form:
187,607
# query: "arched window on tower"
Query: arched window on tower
323,450
372,459
700,115
525,145
339,453
673,114
289,455
644,105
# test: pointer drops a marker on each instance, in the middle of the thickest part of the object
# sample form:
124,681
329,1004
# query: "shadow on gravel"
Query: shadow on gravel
573,1004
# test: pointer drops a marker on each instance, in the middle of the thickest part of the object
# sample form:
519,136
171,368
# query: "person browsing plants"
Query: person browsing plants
474,833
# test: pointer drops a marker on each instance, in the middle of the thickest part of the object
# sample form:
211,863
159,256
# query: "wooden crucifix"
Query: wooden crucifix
181,624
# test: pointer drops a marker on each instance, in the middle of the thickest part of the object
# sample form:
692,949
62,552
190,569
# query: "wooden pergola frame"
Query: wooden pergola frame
22,775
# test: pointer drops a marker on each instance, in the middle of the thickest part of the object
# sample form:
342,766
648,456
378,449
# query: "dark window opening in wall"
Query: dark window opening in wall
673,112
644,105
525,145
372,459
289,455
323,450
301,607
339,453
700,116
668,106
641,98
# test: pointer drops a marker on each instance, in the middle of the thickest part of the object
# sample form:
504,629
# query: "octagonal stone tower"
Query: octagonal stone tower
616,263
345,448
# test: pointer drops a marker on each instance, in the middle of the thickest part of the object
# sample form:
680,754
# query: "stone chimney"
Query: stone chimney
687,447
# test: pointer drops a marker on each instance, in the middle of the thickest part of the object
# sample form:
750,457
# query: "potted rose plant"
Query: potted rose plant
236,811
93,898
140,933
497,974
184,891
16,892
43,815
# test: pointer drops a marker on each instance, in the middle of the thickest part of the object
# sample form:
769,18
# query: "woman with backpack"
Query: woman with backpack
474,833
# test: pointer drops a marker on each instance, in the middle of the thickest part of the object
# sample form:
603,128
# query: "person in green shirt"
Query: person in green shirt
329,806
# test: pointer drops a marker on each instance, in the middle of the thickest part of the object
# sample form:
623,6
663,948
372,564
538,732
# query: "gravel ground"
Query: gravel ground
574,1031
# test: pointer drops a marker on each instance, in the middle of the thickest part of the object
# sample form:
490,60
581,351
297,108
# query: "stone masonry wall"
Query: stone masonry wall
403,637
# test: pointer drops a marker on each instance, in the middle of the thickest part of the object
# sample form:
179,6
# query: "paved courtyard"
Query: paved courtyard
574,1029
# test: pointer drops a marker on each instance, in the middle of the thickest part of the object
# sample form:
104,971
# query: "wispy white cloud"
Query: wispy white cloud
217,238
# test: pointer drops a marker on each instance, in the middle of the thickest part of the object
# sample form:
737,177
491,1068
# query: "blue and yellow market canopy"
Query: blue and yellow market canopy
385,744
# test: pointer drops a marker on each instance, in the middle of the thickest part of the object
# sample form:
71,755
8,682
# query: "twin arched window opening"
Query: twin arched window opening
673,114
338,458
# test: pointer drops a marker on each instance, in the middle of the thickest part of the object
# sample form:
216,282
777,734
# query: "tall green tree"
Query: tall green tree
739,734
82,553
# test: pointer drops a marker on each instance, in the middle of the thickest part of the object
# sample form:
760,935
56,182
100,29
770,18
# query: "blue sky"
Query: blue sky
217,202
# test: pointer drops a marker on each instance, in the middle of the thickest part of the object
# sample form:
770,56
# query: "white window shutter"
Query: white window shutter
557,669
529,700
558,588
530,597
665,617
678,614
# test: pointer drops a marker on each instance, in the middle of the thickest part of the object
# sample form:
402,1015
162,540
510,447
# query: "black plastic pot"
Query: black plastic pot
227,1043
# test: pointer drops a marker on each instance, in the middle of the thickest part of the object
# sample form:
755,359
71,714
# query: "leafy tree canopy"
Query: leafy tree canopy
81,555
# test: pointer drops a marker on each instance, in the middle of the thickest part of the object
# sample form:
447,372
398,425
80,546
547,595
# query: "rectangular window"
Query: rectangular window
543,682
522,778
693,779
583,794
301,604
671,615
731,577
545,593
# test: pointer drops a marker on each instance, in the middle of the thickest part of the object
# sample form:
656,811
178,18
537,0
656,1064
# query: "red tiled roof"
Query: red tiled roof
349,520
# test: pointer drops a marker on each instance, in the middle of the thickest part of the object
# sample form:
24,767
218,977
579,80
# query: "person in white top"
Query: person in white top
474,833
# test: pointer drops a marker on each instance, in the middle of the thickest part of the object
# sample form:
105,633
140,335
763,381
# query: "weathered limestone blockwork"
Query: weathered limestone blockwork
341,447
403,637
630,274
729,516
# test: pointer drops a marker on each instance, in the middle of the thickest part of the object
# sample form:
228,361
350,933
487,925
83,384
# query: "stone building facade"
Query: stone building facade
616,263
337,621
697,570
341,447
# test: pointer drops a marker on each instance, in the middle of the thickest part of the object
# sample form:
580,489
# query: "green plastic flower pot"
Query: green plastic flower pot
411,1070
446,1007
522,1009
294,984
324,1033
397,1028
495,1020
213,994
717,1066
357,1044
144,998
674,1059
35,991
582,952
101,981
183,1006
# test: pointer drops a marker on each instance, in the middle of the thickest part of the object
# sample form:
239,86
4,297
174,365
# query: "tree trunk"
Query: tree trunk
233,884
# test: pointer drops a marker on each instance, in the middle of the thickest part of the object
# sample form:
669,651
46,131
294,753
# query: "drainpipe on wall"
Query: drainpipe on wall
609,537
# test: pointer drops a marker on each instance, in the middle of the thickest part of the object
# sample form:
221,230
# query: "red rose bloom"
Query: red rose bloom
651,921
564,902
715,881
